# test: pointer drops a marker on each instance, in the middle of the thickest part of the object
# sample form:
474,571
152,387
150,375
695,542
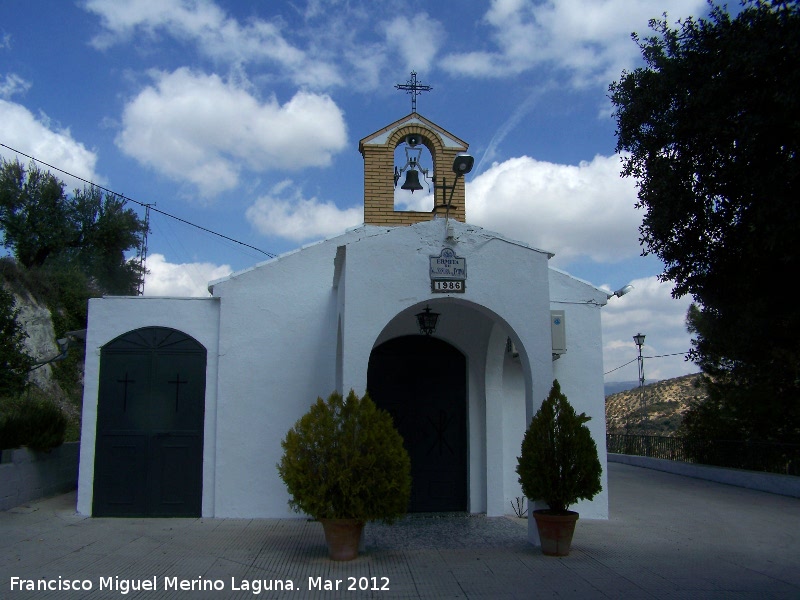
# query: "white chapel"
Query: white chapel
457,331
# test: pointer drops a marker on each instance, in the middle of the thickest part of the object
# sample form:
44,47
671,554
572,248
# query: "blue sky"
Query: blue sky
244,118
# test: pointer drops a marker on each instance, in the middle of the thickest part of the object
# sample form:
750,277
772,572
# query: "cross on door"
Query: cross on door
125,383
440,427
177,381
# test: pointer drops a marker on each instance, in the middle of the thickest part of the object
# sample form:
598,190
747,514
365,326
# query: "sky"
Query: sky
243,118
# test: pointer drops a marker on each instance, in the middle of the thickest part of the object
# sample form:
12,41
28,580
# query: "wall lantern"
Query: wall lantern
620,293
427,320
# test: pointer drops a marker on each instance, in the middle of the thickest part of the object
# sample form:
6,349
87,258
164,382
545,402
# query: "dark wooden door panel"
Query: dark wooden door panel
421,382
176,476
121,468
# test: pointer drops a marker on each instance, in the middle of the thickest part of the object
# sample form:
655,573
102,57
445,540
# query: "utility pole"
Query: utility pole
639,340
143,249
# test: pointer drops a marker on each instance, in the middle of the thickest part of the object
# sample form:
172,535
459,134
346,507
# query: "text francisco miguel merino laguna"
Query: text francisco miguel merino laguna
256,586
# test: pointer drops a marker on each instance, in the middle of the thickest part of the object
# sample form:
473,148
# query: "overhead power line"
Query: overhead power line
635,359
147,206
619,367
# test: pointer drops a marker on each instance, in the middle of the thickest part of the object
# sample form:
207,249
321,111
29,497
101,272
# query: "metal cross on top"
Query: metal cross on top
413,88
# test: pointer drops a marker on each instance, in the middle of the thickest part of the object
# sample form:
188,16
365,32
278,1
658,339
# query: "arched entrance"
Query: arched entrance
422,382
150,413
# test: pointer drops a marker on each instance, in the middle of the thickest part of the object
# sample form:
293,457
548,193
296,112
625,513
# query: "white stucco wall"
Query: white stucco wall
112,317
580,370
514,423
278,336
285,330
303,325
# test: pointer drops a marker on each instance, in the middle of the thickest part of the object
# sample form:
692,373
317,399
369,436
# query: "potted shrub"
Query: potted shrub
344,464
559,465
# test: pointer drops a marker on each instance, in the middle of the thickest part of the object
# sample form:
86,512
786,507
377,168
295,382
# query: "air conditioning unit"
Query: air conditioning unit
558,333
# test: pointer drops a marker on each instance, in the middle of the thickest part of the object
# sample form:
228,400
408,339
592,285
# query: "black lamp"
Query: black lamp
638,339
427,320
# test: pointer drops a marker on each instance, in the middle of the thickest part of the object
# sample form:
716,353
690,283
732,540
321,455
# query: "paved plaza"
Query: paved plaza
668,536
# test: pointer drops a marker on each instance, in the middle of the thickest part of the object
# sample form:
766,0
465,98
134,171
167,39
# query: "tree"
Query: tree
710,131
14,359
88,230
33,213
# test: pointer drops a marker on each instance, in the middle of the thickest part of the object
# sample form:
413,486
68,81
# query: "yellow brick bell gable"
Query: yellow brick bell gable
378,151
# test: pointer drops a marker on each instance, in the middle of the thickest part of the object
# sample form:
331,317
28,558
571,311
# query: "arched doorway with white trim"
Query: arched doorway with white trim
429,390
150,417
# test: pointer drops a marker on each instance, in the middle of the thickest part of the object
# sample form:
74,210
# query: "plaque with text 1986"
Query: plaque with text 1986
444,286
448,272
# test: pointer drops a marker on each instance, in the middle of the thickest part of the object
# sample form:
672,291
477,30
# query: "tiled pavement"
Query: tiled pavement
668,537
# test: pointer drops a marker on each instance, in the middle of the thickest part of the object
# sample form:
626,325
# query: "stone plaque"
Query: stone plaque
448,266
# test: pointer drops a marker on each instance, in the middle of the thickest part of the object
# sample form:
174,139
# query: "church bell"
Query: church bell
412,181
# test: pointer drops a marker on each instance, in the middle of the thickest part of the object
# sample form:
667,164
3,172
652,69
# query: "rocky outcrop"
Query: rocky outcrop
41,341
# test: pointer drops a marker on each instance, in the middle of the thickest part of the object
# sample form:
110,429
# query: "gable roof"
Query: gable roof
381,136
360,232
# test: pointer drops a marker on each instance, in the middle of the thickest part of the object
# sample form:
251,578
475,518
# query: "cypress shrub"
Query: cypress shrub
345,460
559,462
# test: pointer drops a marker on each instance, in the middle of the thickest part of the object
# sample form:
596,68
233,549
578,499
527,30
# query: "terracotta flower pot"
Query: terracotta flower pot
343,537
555,531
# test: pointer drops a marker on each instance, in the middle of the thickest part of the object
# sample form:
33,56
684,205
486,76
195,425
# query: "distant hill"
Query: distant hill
612,387
665,403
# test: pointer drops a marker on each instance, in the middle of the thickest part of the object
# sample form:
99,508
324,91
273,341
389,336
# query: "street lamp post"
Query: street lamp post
639,340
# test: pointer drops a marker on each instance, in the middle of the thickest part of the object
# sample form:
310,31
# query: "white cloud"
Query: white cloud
214,34
200,129
649,309
590,39
12,84
285,213
37,137
181,17
584,210
369,62
421,201
417,39
315,45
185,279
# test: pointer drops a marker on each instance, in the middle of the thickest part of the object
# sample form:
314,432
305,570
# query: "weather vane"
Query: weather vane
414,88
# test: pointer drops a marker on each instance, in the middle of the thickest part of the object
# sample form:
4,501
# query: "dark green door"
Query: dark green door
422,382
151,404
